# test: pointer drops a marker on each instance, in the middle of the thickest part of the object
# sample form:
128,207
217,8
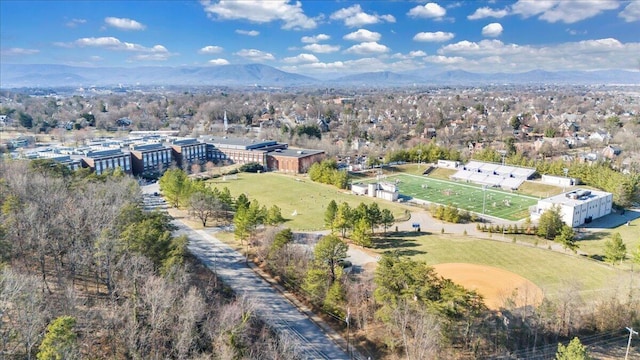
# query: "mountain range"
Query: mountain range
41,75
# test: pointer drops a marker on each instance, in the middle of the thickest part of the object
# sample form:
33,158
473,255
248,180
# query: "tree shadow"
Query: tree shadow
399,245
590,236
403,234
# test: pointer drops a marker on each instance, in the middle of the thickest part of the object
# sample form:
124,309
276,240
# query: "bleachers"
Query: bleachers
508,177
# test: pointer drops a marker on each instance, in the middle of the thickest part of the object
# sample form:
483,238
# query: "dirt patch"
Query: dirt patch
497,286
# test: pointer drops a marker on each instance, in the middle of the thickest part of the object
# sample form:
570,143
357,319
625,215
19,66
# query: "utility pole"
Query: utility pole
631,333
348,321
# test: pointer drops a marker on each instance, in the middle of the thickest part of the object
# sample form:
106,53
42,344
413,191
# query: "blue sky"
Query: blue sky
326,37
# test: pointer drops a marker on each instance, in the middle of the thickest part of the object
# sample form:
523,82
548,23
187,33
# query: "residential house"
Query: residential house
600,136
611,152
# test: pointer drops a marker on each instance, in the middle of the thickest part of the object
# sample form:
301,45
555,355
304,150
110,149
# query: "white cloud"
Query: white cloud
365,48
492,30
483,56
112,43
315,39
321,48
255,55
301,59
631,12
368,64
291,14
75,22
567,11
447,60
437,36
417,53
362,35
218,62
485,12
353,16
18,52
248,32
429,10
156,52
210,49
95,58
151,57
124,23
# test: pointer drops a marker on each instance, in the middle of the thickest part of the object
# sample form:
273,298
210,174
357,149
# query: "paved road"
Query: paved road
270,305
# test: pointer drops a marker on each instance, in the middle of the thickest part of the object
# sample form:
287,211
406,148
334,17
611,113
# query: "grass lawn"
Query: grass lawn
593,243
538,189
550,270
471,197
441,173
307,199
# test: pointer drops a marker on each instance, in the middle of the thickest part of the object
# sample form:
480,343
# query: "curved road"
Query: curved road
271,306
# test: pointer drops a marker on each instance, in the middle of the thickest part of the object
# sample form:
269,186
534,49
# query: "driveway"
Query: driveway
270,305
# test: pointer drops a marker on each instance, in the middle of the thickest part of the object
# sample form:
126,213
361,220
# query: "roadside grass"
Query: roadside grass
300,196
498,203
550,270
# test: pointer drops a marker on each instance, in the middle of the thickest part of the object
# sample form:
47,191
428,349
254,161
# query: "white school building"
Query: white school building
577,207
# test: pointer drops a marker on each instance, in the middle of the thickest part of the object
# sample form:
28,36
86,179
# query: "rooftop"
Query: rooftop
239,143
295,152
577,197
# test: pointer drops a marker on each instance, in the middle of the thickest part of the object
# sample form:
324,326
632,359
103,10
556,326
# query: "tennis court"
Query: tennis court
490,201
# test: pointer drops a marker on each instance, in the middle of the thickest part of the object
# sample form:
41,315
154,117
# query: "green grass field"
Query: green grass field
307,199
550,270
471,197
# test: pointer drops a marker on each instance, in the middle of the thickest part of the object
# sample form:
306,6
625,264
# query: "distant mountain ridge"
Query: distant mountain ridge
39,75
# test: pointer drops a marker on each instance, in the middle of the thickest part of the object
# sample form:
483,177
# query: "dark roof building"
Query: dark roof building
104,159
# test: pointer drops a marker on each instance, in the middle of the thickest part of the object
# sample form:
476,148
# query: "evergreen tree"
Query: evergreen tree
614,249
566,237
550,223
274,216
361,235
173,185
387,219
573,351
59,343
330,215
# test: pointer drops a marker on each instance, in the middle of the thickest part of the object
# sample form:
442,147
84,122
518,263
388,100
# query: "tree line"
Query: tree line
624,187
86,272
326,172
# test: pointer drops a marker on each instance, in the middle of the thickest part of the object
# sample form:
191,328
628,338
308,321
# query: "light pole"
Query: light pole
484,197
631,333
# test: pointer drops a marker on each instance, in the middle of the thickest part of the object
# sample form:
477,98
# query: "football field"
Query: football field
472,197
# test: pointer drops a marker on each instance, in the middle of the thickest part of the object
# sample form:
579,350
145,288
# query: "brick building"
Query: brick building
296,161
104,159
240,150
150,159
188,151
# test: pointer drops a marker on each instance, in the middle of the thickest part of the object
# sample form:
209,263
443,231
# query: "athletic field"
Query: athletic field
493,202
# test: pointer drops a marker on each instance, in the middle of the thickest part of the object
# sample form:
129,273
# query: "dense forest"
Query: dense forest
86,273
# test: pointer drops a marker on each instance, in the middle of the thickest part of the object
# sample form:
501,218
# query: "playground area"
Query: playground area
471,197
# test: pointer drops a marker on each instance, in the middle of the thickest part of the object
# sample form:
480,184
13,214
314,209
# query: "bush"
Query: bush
252,167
